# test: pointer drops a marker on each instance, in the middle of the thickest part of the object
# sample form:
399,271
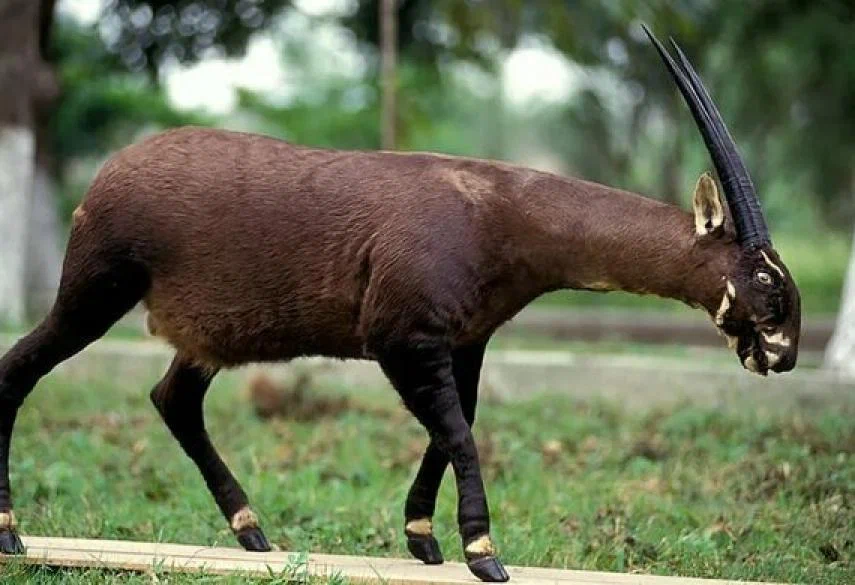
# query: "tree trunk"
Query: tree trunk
17,155
840,353
30,255
44,250
388,65
19,66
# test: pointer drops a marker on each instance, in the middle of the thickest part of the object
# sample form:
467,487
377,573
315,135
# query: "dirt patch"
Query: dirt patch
292,400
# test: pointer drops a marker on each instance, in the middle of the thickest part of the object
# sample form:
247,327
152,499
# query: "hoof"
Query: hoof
425,548
253,540
488,569
10,543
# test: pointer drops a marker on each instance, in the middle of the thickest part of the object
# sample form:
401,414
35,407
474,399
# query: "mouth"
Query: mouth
751,354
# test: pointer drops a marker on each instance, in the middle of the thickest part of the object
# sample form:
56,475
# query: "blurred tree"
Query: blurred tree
145,34
796,63
102,105
388,79
28,87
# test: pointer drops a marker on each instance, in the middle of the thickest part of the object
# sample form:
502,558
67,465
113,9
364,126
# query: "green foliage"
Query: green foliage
145,34
101,108
340,114
690,491
797,67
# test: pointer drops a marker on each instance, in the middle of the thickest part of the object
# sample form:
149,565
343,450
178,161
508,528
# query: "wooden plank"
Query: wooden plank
146,556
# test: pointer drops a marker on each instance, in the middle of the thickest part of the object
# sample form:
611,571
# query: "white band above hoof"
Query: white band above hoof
421,527
7,520
481,546
243,519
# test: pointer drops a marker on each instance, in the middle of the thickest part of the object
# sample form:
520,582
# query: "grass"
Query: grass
687,491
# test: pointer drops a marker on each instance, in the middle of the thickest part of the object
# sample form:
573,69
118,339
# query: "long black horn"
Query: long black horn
741,195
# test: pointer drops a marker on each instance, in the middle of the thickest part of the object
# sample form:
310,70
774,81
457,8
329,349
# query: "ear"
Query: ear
710,209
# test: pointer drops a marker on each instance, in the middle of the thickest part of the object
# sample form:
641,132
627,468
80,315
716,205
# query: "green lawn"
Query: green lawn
693,492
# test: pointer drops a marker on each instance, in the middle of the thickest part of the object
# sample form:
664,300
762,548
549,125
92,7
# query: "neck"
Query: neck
592,237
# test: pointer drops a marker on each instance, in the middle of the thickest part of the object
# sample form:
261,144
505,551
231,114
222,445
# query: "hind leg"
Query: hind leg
85,309
178,398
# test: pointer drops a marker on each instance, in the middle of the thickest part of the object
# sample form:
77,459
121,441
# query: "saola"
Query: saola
244,248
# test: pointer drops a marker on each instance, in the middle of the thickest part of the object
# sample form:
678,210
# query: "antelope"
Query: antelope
244,248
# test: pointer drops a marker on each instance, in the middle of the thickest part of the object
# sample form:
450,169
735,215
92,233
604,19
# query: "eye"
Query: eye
764,278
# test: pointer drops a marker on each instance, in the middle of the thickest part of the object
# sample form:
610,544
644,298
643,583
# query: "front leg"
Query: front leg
421,499
423,376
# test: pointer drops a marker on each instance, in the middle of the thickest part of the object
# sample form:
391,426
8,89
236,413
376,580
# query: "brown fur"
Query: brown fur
259,250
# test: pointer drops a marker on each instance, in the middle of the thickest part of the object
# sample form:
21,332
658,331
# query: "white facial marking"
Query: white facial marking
244,518
7,520
776,339
772,358
751,364
483,545
724,307
772,264
422,526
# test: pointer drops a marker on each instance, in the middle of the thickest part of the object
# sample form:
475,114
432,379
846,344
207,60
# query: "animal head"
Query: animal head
760,308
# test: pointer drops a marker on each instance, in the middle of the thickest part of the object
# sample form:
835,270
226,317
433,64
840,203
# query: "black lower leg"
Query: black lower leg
421,502
10,543
30,358
12,395
178,398
424,378
421,499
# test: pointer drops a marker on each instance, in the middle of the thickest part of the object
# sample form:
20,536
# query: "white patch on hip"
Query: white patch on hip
774,266
7,520
422,527
244,518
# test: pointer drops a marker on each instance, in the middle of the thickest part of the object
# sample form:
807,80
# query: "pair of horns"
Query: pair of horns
741,196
